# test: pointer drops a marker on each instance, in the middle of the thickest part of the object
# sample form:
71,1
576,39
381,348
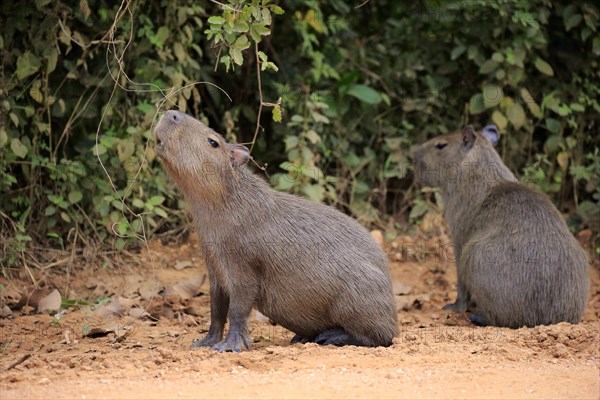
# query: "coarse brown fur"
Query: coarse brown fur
517,262
306,266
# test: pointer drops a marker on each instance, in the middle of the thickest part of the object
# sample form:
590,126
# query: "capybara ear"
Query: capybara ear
239,154
491,133
468,137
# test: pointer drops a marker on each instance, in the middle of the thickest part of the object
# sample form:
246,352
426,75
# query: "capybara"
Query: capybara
305,265
517,263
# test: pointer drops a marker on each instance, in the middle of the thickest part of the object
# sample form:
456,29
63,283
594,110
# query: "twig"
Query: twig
362,4
260,94
19,361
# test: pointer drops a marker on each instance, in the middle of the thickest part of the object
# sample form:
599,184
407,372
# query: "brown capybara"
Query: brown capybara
518,264
306,266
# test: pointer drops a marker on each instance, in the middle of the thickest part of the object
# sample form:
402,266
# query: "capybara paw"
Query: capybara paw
455,307
337,337
478,319
208,341
299,339
233,343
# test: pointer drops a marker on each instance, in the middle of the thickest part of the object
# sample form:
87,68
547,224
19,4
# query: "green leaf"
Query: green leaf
216,20
275,9
51,55
226,60
179,52
236,55
290,142
313,136
240,27
3,137
120,244
160,212
492,95
553,125
534,108
18,148
257,30
500,120
314,192
543,67
418,210
476,104
488,67
125,149
572,21
457,51
577,107
562,159
75,196
27,64
277,113
242,42
14,119
49,211
35,91
161,36
156,200
516,115
365,94
138,203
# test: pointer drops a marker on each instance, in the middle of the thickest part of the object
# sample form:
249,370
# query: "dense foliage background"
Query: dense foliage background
345,89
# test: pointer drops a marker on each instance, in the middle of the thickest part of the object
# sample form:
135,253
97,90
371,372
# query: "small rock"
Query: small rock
44,381
5,312
560,351
401,288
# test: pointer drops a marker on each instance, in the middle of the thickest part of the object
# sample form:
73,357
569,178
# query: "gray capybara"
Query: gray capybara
306,266
518,264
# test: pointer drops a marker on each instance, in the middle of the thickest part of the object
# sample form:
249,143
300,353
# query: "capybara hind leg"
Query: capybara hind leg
337,337
462,300
479,319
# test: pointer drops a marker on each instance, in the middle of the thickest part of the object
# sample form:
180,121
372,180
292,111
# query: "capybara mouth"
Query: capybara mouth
159,148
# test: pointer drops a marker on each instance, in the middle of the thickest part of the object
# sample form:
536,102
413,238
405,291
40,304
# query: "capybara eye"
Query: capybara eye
441,145
213,143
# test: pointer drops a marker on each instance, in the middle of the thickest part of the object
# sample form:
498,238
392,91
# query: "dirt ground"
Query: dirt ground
135,341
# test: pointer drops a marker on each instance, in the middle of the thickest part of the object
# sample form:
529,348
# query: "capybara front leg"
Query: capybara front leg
219,305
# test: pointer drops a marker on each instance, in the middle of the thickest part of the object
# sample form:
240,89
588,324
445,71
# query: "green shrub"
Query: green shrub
345,91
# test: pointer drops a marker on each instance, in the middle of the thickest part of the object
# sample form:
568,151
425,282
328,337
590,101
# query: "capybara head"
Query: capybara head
200,161
447,157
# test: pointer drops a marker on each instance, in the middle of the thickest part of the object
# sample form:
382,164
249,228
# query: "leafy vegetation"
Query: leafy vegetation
330,95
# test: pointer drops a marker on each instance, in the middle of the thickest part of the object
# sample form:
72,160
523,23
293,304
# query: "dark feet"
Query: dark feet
478,319
337,337
208,341
233,342
455,307
300,339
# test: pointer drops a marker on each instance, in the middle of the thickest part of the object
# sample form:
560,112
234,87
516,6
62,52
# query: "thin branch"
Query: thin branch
19,361
260,94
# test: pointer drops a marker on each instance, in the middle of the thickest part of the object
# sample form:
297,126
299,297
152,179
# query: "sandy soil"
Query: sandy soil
436,355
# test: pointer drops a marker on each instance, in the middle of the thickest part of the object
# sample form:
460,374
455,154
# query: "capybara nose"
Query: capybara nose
174,116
